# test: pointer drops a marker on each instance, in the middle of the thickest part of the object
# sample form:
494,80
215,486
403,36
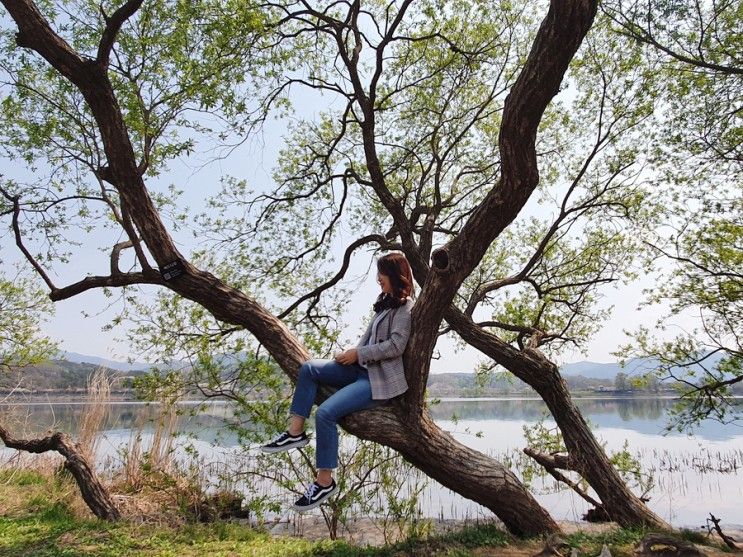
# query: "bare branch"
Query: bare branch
115,253
315,294
634,31
95,495
551,463
729,541
117,280
128,225
19,239
703,268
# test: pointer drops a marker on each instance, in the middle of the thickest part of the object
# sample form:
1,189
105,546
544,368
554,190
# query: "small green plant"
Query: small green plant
693,536
542,439
17,476
631,470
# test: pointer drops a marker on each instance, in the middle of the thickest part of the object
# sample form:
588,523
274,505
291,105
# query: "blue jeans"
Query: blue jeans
353,394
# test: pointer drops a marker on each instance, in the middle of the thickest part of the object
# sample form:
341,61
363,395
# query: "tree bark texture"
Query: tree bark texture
405,424
590,460
465,471
405,428
94,494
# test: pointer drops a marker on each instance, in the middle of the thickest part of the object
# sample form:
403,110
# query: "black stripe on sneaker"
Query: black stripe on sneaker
287,439
320,493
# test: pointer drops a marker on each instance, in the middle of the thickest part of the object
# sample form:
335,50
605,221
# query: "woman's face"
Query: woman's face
384,283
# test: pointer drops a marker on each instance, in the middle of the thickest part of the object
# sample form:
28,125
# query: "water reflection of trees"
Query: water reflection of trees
514,409
40,418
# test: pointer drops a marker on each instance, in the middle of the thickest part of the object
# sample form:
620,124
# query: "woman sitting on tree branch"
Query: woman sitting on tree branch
365,376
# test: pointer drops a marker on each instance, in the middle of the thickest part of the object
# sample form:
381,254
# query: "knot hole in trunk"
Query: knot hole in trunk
440,259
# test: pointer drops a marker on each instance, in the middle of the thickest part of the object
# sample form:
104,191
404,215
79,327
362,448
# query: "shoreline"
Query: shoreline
16,399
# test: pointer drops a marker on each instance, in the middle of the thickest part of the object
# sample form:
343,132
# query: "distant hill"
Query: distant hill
594,370
586,369
604,371
636,366
97,361
73,371
466,384
57,375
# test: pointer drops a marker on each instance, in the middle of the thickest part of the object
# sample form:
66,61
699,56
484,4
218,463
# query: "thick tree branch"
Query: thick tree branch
586,456
113,281
128,225
554,46
559,37
96,88
113,24
34,32
115,254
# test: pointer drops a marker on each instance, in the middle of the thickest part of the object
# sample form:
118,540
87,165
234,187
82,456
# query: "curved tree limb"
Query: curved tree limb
114,280
315,294
94,493
19,240
586,456
646,36
113,24
554,46
729,540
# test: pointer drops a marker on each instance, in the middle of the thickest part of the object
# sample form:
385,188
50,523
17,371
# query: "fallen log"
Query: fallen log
94,494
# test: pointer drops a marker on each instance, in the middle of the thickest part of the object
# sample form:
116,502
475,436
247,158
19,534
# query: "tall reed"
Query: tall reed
95,413
140,461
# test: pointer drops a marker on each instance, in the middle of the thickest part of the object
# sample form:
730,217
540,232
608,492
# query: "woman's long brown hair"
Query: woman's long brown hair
395,267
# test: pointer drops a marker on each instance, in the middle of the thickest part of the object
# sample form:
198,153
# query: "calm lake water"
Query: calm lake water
694,475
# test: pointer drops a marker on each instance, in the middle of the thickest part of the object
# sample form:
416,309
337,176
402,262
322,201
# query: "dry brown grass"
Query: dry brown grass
45,464
95,414
151,505
140,462
149,486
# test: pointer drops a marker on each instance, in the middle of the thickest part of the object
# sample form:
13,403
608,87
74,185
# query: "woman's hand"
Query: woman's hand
348,357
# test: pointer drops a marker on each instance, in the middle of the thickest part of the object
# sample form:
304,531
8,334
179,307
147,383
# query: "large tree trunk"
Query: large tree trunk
94,494
586,456
463,470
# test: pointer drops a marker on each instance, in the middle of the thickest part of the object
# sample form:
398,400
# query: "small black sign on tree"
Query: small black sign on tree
172,270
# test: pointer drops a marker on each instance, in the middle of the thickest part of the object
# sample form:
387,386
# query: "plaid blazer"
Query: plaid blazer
382,354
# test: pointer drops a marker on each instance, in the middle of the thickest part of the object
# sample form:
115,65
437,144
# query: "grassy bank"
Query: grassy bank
41,515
